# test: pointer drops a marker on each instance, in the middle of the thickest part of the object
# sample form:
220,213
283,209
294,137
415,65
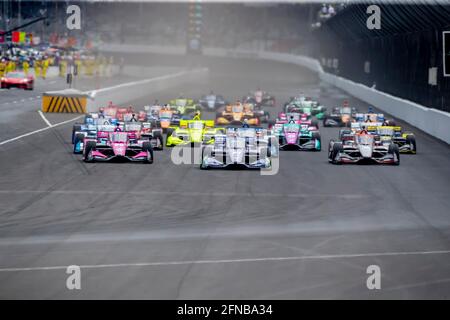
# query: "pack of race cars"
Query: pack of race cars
237,138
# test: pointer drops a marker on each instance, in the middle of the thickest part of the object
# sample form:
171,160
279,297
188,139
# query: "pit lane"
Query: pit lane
57,211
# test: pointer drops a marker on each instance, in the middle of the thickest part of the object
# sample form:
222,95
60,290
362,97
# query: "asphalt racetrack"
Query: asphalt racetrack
162,231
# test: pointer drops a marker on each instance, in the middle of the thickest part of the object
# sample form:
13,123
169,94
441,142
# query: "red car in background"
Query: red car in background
17,80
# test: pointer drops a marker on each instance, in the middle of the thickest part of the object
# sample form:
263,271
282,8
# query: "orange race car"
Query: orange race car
237,114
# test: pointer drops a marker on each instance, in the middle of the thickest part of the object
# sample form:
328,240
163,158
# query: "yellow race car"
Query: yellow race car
406,141
193,132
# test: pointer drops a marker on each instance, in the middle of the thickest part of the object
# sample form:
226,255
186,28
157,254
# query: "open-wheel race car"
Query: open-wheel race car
259,99
238,114
362,147
295,134
117,145
238,147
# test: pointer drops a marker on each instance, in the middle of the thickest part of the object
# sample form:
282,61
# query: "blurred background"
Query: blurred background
405,57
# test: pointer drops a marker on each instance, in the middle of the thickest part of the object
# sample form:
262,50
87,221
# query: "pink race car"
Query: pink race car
298,118
112,143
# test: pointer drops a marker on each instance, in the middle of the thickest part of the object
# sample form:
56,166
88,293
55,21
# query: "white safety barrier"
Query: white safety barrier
431,121
124,93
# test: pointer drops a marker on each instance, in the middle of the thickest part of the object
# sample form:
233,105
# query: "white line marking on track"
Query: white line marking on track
267,259
44,118
348,196
39,130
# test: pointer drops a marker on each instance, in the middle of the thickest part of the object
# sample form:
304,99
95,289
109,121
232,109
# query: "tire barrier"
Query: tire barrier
65,101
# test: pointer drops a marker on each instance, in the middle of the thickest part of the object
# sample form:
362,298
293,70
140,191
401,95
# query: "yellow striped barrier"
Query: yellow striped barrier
65,101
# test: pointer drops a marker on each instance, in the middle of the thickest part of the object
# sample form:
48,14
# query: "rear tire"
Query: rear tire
315,123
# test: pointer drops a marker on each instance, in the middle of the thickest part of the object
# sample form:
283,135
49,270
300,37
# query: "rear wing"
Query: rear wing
373,117
359,125
373,128
207,123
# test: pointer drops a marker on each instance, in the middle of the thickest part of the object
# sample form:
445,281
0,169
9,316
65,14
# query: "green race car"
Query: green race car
310,107
193,132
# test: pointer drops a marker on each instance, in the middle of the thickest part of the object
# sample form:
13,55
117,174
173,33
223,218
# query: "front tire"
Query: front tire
393,149
205,150
412,141
159,136
335,150
88,149
316,137
147,147
78,139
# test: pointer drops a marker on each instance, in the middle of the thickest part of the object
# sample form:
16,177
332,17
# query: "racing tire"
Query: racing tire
393,149
169,132
265,153
315,123
316,136
324,122
205,150
75,128
88,148
391,123
159,136
147,147
412,141
78,138
337,147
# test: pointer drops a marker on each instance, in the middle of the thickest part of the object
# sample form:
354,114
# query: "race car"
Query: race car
168,118
339,117
89,125
111,145
237,114
302,104
191,132
241,147
299,118
145,131
259,99
17,79
362,147
212,101
406,141
184,107
294,135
